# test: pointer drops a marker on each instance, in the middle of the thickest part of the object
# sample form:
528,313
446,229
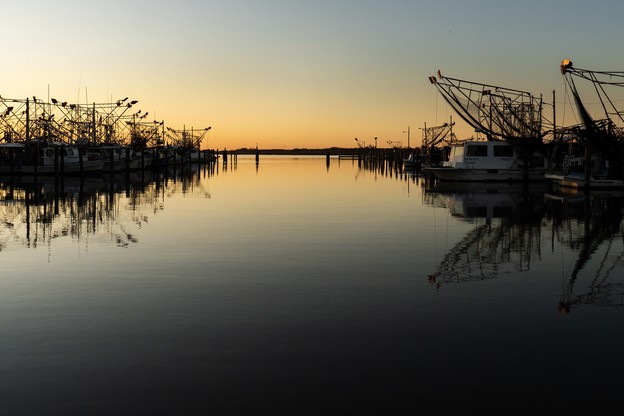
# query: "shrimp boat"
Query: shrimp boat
590,155
510,122
432,138
568,168
117,158
46,159
412,162
490,161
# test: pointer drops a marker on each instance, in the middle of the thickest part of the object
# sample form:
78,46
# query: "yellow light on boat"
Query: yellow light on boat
565,65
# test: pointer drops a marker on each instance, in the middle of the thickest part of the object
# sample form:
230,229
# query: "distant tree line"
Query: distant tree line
298,151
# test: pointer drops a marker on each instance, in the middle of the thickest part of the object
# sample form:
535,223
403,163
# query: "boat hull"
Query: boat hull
486,175
88,166
577,182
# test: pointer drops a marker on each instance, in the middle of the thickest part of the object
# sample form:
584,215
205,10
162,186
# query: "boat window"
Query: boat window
503,151
476,150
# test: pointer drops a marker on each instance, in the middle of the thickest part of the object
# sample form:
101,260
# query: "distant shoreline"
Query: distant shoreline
331,151
322,151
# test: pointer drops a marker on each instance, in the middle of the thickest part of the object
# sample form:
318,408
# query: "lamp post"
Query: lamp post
408,136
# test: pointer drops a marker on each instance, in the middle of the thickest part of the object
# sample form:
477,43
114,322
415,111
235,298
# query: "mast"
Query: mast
554,118
27,120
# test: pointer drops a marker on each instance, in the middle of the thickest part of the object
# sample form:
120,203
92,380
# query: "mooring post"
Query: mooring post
111,158
63,159
80,161
56,159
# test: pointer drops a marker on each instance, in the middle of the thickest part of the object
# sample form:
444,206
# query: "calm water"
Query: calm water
300,287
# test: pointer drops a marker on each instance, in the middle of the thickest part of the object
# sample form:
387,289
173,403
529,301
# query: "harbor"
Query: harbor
309,208
515,140
51,137
516,137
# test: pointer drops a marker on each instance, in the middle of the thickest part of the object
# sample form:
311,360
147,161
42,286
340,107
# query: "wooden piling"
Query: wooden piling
62,159
80,159
55,152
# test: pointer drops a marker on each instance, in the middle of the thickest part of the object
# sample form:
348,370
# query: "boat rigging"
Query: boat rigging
498,112
590,154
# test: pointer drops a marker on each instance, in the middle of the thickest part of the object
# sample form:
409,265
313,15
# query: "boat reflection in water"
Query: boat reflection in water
506,235
516,225
112,207
592,227
489,200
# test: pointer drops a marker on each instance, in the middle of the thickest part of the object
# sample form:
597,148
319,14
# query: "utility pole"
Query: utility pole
408,136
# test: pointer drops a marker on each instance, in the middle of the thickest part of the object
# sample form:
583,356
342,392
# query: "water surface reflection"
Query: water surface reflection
516,224
38,209
299,286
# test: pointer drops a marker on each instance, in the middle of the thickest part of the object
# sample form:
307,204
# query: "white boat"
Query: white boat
46,159
116,158
411,162
142,159
488,161
201,156
170,155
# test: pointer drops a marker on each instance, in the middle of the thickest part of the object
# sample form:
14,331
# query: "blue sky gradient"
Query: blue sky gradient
291,74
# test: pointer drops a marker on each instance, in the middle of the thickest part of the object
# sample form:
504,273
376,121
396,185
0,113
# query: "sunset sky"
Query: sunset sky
299,74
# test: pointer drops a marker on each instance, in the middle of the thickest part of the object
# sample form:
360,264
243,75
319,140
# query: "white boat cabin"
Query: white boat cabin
488,155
